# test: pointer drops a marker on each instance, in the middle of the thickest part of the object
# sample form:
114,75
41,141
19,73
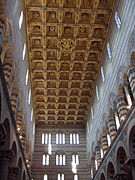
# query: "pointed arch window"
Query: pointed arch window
109,51
60,138
117,20
45,177
45,160
46,138
60,177
60,159
20,20
74,138
75,159
76,177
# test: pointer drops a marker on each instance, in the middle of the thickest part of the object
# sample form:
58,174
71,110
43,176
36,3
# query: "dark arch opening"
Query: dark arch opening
7,136
123,170
110,171
20,168
14,149
24,176
102,177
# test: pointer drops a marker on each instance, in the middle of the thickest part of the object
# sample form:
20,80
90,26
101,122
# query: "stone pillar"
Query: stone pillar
121,106
127,95
104,140
13,173
93,165
98,155
131,164
131,78
112,126
5,158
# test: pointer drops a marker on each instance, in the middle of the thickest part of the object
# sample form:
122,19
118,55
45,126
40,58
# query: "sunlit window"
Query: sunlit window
102,153
31,114
96,164
97,93
46,138
24,51
27,75
74,138
60,177
117,121
92,173
109,51
29,98
102,74
45,177
45,160
75,177
60,159
21,20
109,140
117,20
60,138
92,113
75,159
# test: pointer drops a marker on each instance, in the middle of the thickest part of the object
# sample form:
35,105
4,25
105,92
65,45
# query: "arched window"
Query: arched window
20,20
117,20
60,138
74,138
60,159
76,177
75,159
45,160
45,177
46,138
109,51
108,139
60,177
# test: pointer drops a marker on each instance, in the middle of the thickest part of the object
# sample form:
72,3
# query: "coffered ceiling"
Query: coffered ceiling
66,41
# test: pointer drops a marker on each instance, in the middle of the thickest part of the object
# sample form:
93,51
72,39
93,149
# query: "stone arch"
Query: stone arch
130,127
14,150
131,46
110,171
102,177
7,136
121,166
132,142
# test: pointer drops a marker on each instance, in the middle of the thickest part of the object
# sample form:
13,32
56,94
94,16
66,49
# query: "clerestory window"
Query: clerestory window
45,160
60,138
75,159
74,138
60,159
60,177
46,138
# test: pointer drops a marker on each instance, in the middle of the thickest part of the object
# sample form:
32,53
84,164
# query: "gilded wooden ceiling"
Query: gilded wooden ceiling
66,40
